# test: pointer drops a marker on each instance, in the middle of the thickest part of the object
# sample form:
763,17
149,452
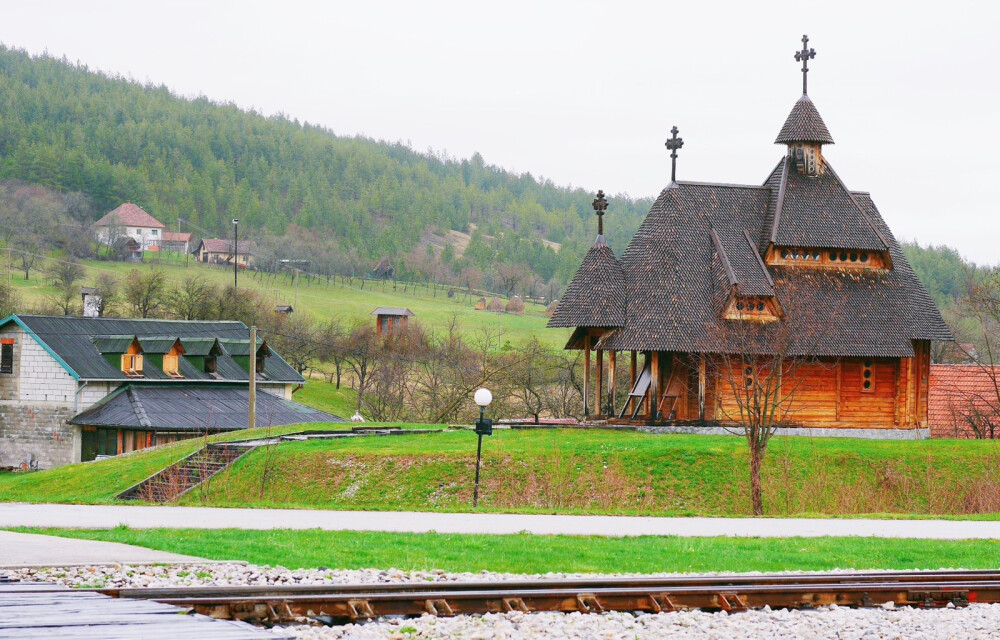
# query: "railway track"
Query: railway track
359,602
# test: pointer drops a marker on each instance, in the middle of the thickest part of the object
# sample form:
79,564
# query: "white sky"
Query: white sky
584,93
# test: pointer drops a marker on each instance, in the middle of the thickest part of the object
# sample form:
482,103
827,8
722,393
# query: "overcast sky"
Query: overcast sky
584,93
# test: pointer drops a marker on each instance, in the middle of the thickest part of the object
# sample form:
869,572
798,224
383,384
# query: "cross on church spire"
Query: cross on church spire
673,144
804,57
600,206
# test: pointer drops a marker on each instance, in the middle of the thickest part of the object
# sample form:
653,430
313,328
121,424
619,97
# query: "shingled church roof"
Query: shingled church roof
702,243
804,124
596,295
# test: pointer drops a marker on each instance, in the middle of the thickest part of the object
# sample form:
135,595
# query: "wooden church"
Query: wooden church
718,276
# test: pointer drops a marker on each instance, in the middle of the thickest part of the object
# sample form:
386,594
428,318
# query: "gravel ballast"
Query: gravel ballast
974,622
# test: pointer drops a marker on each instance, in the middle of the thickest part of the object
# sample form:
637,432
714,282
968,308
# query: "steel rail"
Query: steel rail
726,593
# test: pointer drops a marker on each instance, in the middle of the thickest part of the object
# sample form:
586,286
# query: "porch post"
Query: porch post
654,386
702,382
612,383
599,387
631,383
586,377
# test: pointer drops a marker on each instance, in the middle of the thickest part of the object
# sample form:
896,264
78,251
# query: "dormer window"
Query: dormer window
132,365
839,258
755,308
170,365
210,364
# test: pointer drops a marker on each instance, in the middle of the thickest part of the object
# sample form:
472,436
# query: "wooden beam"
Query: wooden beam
840,374
612,382
586,376
599,387
631,382
654,385
702,385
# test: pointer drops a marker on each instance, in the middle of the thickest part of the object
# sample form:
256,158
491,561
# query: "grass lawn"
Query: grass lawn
525,553
324,396
568,471
322,301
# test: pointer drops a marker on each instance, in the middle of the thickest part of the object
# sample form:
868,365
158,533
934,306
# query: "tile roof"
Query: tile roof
958,391
194,407
130,215
596,295
804,124
83,343
174,236
224,245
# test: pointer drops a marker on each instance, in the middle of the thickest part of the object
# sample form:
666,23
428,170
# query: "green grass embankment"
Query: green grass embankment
605,472
523,553
568,471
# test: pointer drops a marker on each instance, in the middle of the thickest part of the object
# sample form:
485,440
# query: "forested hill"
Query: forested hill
69,128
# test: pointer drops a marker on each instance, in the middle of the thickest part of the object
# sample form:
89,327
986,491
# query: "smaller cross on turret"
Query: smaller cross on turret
804,57
600,206
673,144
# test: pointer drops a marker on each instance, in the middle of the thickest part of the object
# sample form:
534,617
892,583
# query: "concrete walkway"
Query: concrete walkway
27,550
142,517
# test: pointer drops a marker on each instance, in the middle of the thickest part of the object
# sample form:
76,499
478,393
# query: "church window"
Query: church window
864,257
785,254
843,256
854,257
833,256
748,372
760,306
867,377
739,306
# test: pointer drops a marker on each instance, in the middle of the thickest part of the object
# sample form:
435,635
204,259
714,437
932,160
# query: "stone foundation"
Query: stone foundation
813,432
41,431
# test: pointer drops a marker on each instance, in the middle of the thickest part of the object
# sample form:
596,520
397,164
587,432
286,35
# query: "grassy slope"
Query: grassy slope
321,301
520,553
571,471
574,471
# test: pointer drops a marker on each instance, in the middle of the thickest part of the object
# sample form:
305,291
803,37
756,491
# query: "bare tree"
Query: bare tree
509,277
192,299
10,300
65,277
297,339
565,397
979,408
363,354
107,293
144,291
331,337
762,367
532,378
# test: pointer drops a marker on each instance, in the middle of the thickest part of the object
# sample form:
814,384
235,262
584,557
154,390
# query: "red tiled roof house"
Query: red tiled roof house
130,220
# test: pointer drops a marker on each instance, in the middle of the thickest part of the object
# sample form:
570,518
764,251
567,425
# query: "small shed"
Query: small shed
481,304
390,320
384,270
126,249
495,305
284,308
515,305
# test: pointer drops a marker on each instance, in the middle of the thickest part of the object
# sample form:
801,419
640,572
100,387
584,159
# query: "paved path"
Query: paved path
27,550
141,517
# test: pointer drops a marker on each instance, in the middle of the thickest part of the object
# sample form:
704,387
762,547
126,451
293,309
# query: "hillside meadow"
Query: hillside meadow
320,300
568,471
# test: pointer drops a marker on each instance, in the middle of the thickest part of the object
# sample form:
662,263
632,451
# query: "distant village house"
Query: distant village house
129,220
176,242
220,251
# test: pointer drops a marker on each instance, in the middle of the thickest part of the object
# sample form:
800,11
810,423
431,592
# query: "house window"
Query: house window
170,364
132,365
867,377
154,232
7,357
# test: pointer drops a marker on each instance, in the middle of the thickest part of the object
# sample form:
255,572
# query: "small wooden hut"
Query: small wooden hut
390,320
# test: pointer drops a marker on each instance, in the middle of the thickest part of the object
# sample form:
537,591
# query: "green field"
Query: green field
570,471
322,301
571,554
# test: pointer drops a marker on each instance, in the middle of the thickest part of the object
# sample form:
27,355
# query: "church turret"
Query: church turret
804,131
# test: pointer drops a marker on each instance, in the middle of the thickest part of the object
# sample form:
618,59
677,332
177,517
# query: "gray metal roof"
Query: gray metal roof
75,343
194,407
392,311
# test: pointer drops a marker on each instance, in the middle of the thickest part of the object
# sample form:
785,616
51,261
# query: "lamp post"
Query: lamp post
236,252
484,427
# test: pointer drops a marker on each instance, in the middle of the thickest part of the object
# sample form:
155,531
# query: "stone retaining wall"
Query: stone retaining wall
40,431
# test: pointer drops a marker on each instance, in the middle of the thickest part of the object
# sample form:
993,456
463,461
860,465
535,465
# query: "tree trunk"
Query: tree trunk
756,460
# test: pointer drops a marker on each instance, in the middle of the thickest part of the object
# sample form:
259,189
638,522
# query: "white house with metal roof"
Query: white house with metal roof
72,389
